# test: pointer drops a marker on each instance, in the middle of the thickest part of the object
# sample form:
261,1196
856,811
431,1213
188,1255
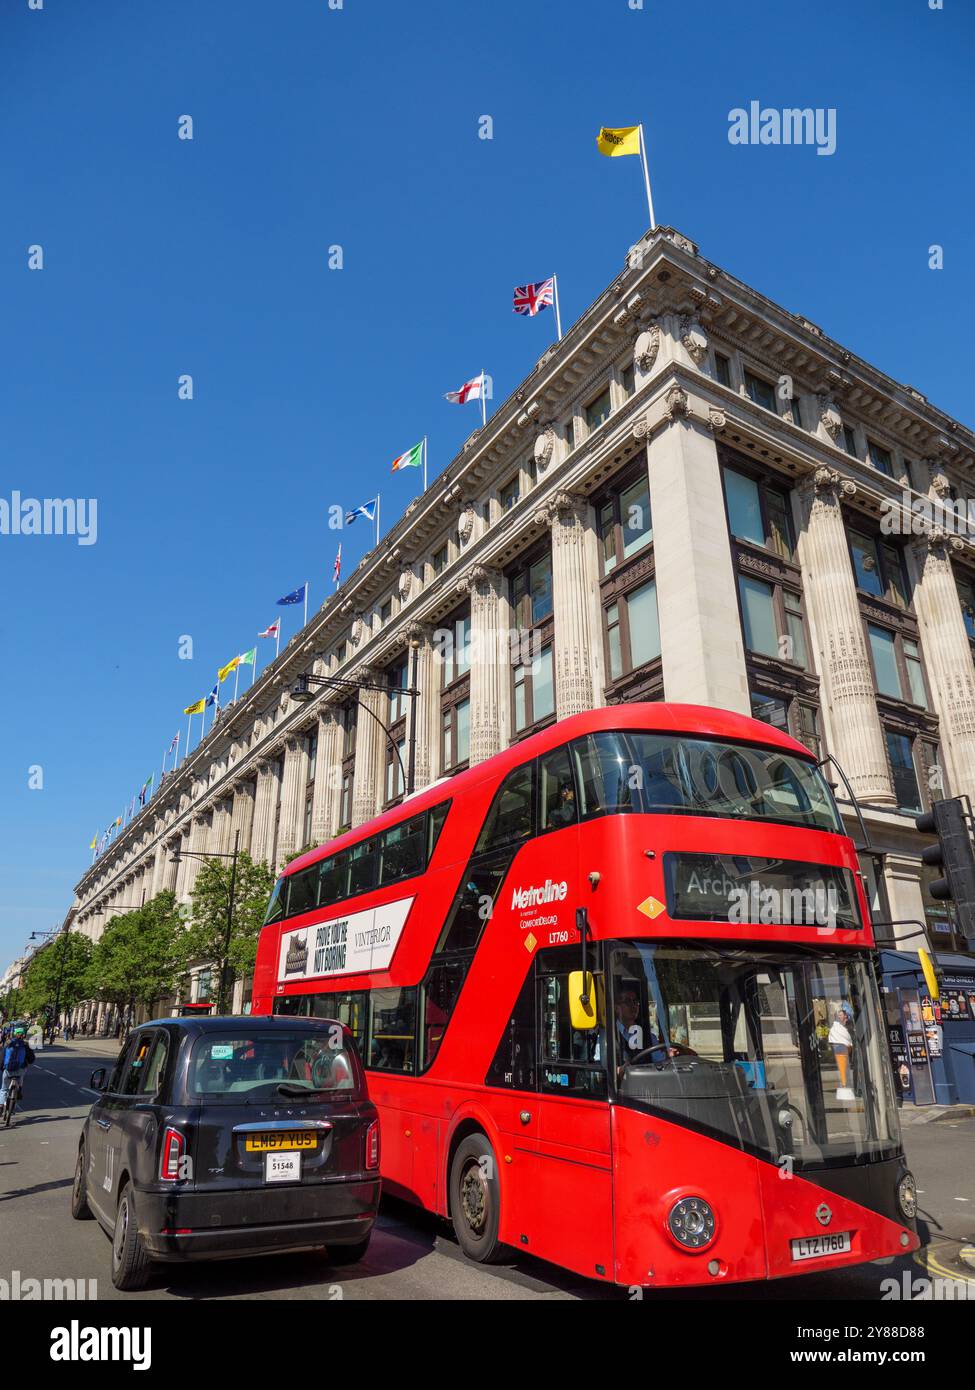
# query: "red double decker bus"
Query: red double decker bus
614,992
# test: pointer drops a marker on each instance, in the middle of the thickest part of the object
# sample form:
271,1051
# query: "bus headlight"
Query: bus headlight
907,1195
691,1223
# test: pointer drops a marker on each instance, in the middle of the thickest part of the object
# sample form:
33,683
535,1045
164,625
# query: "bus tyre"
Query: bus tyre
80,1209
475,1199
130,1263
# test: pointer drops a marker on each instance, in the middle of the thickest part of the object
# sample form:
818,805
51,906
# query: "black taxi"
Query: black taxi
221,1137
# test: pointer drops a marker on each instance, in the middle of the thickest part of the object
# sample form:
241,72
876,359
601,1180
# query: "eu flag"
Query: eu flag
297,596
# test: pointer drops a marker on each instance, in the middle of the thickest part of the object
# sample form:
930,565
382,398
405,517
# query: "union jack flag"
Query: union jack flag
530,298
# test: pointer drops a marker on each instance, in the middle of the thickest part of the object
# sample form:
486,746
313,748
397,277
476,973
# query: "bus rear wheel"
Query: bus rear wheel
475,1199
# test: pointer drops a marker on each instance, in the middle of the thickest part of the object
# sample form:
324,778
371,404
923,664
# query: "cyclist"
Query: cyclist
18,1055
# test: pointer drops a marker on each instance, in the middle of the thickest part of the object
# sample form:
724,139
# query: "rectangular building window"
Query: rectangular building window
883,649
880,458
760,392
758,511
598,410
439,561
850,440
628,381
903,772
509,493
722,369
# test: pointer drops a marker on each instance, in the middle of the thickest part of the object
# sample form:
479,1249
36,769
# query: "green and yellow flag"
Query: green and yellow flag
231,665
618,140
94,841
195,709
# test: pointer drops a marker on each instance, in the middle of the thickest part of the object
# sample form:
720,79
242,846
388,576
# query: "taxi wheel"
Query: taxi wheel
130,1263
348,1254
475,1199
80,1209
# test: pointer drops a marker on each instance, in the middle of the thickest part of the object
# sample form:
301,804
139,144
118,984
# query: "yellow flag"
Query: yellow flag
225,671
195,709
622,140
94,842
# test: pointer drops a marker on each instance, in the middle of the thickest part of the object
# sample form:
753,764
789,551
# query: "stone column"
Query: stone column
846,678
292,799
697,597
223,839
265,804
370,752
182,842
197,845
328,776
575,604
425,708
242,814
489,662
947,656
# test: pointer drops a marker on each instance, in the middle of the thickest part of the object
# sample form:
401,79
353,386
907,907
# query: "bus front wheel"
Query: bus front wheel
475,1199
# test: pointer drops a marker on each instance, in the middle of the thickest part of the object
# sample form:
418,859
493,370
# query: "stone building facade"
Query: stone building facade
689,498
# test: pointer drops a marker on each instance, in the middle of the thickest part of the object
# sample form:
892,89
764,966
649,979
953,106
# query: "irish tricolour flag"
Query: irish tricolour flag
411,459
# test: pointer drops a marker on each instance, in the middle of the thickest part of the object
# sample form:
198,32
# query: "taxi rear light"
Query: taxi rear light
173,1153
372,1145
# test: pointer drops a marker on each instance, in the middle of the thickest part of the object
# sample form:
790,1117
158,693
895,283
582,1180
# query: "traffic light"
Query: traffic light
954,854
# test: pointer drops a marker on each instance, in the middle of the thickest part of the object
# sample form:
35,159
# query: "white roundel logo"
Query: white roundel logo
823,1214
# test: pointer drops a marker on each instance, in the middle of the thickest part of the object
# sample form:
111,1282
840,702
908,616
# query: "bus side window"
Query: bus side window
509,821
438,815
392,1028
557,805
442,985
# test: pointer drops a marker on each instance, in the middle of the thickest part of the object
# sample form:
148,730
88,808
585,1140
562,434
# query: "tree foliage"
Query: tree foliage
68,957
137,959
206,935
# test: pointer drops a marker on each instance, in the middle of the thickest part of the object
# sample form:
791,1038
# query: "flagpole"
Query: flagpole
277,641
646,178
558,317
424,463
483,400
305,623
189,735
377,518
236,679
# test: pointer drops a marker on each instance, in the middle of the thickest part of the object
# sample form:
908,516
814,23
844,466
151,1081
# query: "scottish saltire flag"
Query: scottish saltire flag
470,391
530,298
270,631
368,510
337,567
296,596
211,699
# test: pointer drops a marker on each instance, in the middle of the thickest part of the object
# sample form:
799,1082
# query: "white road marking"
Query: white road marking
75,1084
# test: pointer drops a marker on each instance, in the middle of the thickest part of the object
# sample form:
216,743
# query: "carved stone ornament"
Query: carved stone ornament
544,448
826,480
641,428
717,420
937,538
465,524
676,403
356,630
695,340
830,417
646,348
939,483
405,584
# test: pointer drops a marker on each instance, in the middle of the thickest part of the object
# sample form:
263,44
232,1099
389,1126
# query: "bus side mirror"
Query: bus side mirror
582,1001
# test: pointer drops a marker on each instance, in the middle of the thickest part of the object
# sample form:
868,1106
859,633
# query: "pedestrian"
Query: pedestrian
841,1041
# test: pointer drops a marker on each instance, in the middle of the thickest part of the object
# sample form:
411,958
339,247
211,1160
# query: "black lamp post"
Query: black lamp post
301,692
233,857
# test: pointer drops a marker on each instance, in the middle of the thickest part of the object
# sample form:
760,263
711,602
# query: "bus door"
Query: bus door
574,1195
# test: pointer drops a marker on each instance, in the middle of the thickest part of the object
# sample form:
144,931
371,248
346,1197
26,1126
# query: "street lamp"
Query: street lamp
301,692
233,856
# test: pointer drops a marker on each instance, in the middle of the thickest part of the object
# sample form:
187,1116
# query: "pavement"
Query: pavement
413,1255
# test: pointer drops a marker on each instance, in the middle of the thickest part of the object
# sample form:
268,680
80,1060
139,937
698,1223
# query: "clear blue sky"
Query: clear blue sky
359,127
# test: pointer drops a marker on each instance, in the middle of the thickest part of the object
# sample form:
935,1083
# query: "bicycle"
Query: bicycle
10,1104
